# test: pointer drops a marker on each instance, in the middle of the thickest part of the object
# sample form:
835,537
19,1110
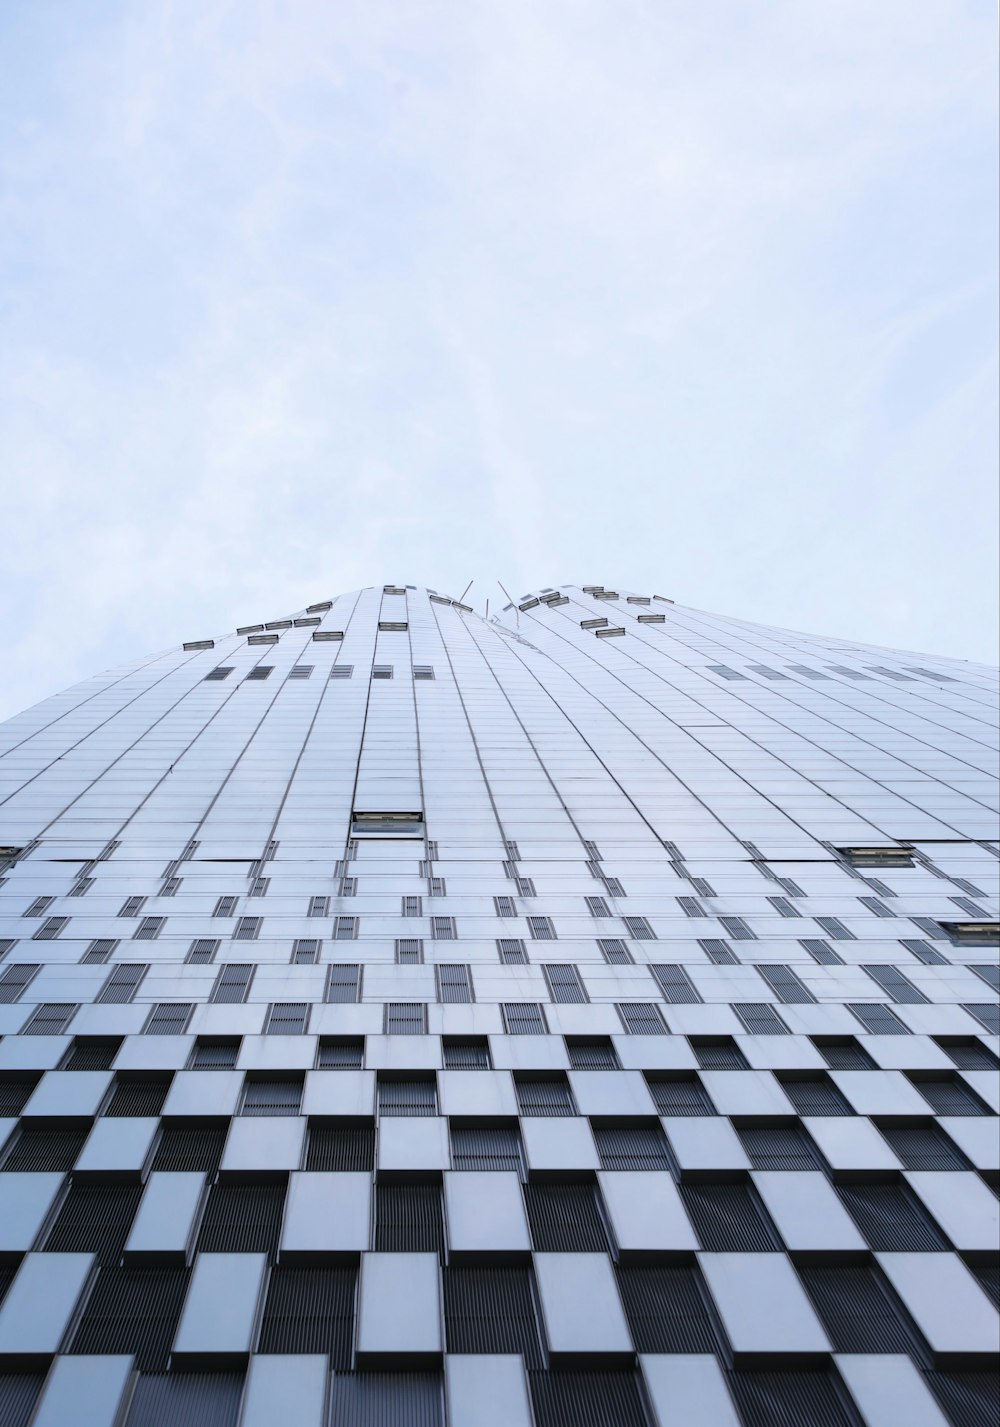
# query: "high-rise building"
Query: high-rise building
586,1018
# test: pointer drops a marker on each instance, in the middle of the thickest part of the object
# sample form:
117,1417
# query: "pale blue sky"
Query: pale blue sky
689,295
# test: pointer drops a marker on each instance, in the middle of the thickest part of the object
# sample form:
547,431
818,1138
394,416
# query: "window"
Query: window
345,928
409,950
168,1018
287,1018
675,984
614,951
232,983
405,1018
641,1018
565,986
443,928
878,1019
247,928
598,907
971,933
412,907
760,1019
512,951
543,1095
122,984
149,928
541,929
785,984
343,983
271,1097
305,951
49,1019
523,1018
225,907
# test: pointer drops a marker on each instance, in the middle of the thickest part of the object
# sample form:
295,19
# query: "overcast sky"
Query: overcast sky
694,296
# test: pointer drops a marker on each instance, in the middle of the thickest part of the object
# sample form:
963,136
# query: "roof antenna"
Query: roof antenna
517,612
461,598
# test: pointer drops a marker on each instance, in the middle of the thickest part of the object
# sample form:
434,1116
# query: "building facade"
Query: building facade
585,1018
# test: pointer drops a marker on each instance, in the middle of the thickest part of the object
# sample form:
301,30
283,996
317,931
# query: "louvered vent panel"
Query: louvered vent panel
632,1147
194,1399
241,1218
390,1399
190,1148
407,1097
951,1097
720,1055
924,1147
728,1218
466,1055
133,1311
779,1147
18,1394
891,1218
38,1149
14,1093
493,1147
310,1310
592,1055
491,1310
543,1097
408,1218
666,1308
858,1311
341,1148
790,1399
816,1097
565,1218
845,1055
587,1399
680,1097
139,1095
95,1219
969,1399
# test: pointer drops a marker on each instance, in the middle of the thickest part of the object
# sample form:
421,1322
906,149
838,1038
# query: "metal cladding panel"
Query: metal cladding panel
418,986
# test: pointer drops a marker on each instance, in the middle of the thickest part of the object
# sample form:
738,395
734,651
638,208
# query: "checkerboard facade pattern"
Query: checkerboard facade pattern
582,1017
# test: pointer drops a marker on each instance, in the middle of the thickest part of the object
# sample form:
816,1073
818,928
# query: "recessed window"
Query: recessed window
262,671
343,983
301,671
381,671
512,951
423,671
409,950
218,674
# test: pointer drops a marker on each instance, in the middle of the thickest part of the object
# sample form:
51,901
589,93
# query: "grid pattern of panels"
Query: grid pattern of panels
403,1014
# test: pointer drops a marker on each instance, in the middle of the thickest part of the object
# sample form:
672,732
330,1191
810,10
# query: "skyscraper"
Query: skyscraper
584,1017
